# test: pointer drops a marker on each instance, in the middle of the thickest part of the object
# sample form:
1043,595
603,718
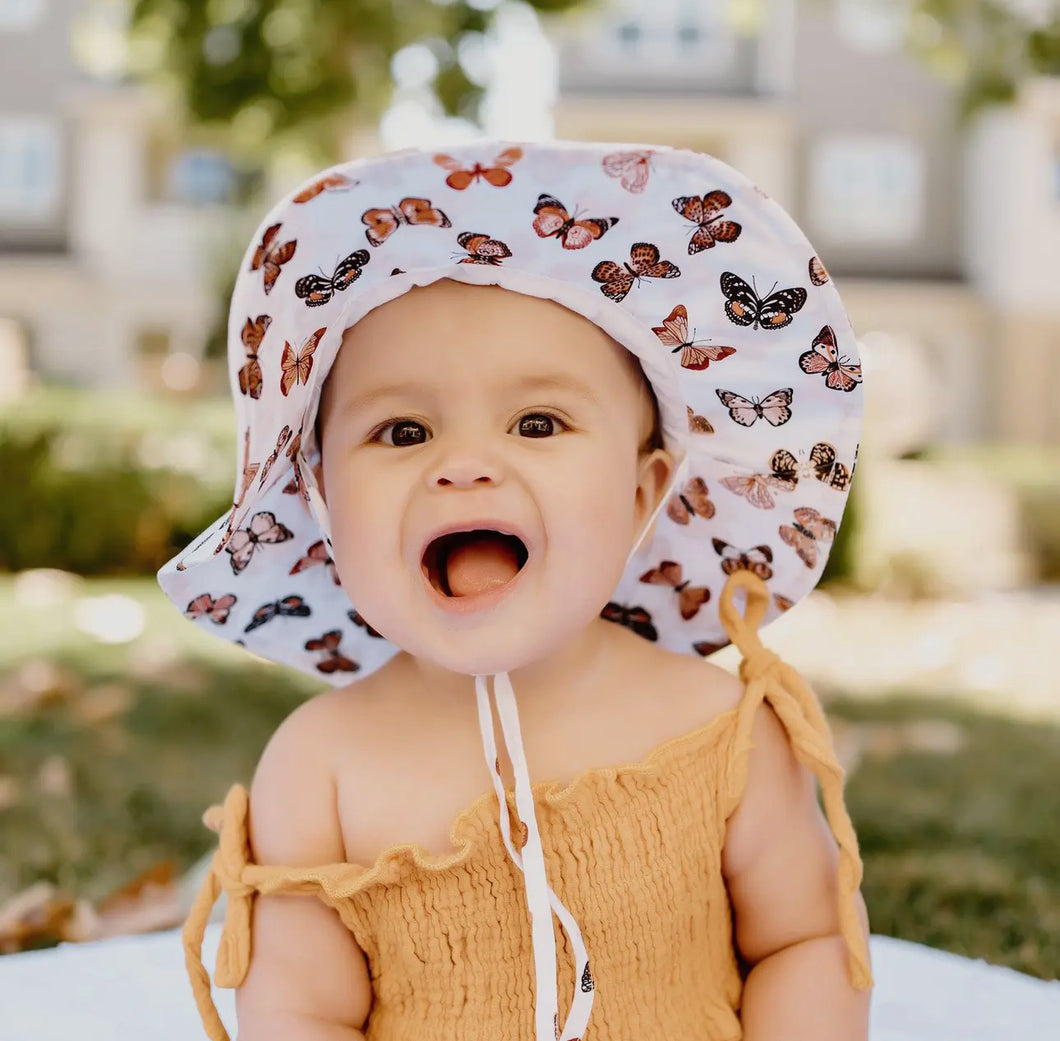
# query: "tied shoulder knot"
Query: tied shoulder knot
229,865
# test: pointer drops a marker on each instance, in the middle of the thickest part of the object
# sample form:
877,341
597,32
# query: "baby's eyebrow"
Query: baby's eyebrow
538,381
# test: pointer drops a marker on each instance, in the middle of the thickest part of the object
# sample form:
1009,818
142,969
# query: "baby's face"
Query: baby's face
454,403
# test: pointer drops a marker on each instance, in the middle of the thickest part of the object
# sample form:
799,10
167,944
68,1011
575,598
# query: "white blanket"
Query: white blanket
133,988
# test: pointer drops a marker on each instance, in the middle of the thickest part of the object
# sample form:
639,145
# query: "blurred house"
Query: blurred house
946,242
108,225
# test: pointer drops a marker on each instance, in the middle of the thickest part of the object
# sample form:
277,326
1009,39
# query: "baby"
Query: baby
470,463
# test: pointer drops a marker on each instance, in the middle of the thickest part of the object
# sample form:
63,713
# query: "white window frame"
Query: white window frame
31,169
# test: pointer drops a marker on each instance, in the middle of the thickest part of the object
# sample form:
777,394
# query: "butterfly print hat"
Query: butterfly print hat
675,255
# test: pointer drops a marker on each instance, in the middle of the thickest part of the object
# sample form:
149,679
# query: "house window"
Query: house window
872,25
200,176
30,157
867,189
629,33
20,14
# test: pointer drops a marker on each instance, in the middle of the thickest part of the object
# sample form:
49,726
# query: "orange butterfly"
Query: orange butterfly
249,469
756,559
263,529
383,223
824,357
635,618
316,554
802,535
205,606
335,182
552,219
481,249
333,660
269,257
705,212
644,263
250,378
782,602
818,272
774,408
281,439
674,334
690,598
317,290
632,167
498,174
692,501
295,368
698,424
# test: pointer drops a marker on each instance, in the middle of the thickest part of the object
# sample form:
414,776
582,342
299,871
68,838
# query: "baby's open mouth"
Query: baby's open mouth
466,563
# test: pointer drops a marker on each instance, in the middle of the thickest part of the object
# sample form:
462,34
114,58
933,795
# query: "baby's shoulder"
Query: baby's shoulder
293,810
694,687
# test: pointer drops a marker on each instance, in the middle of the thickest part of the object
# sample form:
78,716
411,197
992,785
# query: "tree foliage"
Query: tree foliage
275,68
988,47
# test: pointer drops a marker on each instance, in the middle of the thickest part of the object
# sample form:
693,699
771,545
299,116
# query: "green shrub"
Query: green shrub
103,484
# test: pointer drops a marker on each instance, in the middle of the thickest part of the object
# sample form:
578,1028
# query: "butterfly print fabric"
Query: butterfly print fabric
730,311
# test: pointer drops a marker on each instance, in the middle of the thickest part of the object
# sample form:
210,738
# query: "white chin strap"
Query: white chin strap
540,898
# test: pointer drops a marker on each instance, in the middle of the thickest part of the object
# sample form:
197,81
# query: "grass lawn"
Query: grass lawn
107,769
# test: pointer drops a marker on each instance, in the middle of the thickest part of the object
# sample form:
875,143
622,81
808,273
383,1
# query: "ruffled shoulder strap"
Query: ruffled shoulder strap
766,676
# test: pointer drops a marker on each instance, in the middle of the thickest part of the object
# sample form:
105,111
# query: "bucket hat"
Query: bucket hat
679,258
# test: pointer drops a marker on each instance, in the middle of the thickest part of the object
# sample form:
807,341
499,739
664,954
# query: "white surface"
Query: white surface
136,988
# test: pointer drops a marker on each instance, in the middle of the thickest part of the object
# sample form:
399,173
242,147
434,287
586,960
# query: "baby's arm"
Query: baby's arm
780,864
308,978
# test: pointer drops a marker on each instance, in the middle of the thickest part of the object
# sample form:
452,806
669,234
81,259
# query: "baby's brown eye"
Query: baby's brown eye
407,432
538,424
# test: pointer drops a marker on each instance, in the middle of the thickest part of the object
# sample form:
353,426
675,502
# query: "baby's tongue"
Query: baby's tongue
480,561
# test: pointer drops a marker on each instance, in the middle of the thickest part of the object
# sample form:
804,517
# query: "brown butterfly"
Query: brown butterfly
802,535
316,554
333,660
481,249
692,501
286,607
757,488
269,257
823,465
690,598
552,219
818,272
823,356
498,174
745,307
706,648
774,408
204,606
674,334
382,223
782,602
334,182
263,530
698,424
295,368
588,983
633,168
250,378
705,212
281,439
756,559
317,290
635,618
355,617
249,470
644,262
